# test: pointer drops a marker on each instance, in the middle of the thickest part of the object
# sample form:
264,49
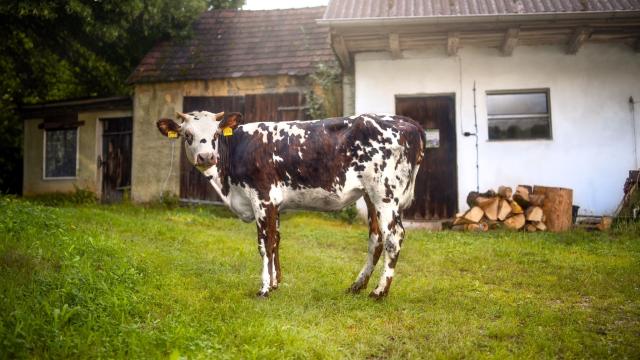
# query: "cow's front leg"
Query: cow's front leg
267,223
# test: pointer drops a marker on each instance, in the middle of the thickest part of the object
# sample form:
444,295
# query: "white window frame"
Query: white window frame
546,91
44,156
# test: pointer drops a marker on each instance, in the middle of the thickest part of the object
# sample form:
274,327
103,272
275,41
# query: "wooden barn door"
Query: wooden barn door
194,187
436,191
275,107
115,161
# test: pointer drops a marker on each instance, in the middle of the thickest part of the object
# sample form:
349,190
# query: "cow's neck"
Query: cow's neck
213,175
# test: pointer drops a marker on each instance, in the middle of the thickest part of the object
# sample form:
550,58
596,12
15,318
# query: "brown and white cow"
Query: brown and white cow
261,168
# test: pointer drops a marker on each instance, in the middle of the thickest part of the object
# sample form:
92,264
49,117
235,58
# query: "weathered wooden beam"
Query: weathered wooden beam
341,50
510,41
453,43
394,46
580,35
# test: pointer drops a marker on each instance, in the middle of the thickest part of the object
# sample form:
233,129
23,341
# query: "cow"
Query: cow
261,168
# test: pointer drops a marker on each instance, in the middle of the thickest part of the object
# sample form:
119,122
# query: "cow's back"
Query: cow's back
322,154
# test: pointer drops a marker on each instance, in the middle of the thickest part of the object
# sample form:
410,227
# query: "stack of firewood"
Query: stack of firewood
517,210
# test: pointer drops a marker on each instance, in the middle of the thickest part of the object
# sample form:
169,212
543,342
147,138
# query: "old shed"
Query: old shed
254,62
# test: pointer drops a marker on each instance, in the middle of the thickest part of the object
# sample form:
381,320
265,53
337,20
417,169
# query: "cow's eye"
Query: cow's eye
188,137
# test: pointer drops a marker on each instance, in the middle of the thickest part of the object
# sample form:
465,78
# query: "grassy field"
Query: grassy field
87,281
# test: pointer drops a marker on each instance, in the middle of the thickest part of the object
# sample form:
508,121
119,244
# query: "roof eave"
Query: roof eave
420,20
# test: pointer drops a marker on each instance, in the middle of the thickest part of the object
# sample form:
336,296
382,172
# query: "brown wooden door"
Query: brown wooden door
436,191
193,185
115,161
275,107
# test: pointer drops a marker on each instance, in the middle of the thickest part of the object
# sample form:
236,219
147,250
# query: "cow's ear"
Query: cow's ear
231,121
218,116
168,128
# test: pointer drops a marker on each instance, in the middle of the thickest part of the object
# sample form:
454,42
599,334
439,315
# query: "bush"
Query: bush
169,200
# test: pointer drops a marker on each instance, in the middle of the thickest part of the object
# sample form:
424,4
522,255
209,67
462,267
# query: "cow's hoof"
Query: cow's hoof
377,295
354,288
273,287
262,294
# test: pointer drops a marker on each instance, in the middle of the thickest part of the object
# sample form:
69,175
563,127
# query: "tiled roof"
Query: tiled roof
237,43
363,9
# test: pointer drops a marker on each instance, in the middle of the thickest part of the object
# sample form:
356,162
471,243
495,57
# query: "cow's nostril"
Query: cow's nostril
204,159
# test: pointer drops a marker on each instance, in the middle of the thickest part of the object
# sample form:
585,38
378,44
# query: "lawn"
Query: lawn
89,281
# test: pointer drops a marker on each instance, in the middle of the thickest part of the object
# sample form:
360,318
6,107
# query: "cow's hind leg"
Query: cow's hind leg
392,237
268,235
277,273
375,249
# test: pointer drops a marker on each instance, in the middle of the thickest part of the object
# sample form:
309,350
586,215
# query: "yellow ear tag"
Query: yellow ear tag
227,131
172,134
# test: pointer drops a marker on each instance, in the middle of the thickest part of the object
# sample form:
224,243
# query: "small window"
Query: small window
519,115
60,153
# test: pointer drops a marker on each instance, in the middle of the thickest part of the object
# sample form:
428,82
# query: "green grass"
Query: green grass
89,281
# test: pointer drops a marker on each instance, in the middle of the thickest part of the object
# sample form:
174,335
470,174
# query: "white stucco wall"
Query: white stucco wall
592,121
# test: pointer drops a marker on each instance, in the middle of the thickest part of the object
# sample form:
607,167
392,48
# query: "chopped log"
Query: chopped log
528,188
521,196
515,208
504,210
534,213
475,198
557,207
522,201
474,214
605,223
536,199
515,222
490,208
459,220
479,227
505,192
458,227
531,228
541,226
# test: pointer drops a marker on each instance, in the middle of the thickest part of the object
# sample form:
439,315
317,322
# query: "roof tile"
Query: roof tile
362,9
235,43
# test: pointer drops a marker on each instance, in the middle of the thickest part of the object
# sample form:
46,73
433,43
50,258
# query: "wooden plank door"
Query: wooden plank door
194,186
436,191
116,158
275,107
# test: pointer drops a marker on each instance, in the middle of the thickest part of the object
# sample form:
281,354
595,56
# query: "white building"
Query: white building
555,86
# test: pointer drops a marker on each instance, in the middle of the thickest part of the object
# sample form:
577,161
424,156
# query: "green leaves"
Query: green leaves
54,50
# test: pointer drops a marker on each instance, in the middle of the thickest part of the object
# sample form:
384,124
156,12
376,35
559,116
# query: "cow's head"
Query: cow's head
200,130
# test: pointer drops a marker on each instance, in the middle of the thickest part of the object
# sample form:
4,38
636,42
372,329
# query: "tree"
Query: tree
54,50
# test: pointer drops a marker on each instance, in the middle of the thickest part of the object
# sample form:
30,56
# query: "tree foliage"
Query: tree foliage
53,50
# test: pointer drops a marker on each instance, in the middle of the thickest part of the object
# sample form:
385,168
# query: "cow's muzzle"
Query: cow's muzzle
205,160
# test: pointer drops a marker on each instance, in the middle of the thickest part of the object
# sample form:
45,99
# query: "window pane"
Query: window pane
60,153
512,104
520,128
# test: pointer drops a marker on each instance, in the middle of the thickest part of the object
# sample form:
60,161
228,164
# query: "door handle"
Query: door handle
101,162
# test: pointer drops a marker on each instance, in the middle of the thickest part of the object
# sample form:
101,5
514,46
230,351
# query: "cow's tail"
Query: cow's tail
416,142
